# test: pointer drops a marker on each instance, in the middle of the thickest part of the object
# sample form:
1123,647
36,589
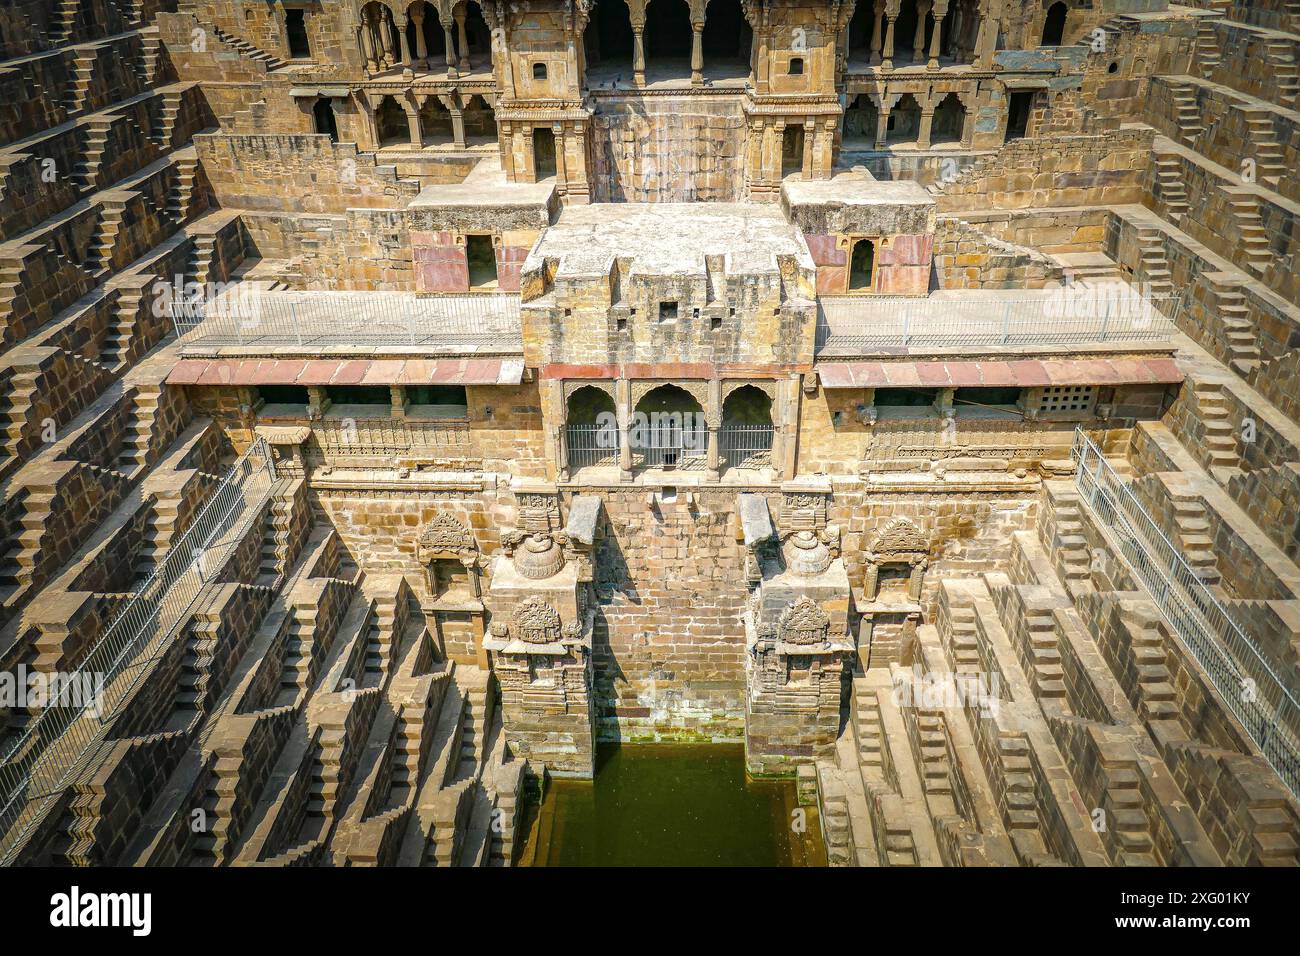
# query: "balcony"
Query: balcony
1104,314
253,321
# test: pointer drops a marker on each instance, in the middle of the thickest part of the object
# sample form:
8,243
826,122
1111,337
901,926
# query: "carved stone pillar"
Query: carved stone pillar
367,41
878,13
882,124
463,64
936,44
451,52
386,40
458,127
638,54
697,54
413,125
888,61
713,418
421,49
918,38
623,404
405,45
923,133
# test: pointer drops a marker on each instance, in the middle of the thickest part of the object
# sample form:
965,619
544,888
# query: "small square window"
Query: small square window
539,71
715,322
621,324
796,66
667,311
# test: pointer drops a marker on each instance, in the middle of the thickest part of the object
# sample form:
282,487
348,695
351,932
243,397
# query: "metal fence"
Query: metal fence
1261,701
669,444
745,446
321,319
1059,317
54,744
591,445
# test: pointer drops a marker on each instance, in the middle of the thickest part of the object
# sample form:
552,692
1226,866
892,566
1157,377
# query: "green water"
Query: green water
671,805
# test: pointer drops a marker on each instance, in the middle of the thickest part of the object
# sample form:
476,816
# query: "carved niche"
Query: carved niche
899,542
804,622
445,542
535,621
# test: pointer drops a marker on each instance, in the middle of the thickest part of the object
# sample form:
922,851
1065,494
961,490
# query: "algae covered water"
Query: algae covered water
672,805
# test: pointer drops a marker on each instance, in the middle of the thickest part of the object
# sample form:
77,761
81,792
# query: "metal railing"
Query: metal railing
745,446
1056,317
54,744
1256,695
591,445
487,323
669,444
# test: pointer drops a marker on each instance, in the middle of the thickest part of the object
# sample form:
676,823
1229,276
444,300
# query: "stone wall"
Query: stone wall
667,149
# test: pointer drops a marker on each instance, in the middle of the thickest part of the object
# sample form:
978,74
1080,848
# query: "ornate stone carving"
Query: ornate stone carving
445,535
900,537
538,555
535,621
804,622
807,554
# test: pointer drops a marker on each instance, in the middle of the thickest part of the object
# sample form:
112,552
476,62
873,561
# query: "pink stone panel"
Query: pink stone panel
909,250
440,264
902,280
510,261
825,250
830,280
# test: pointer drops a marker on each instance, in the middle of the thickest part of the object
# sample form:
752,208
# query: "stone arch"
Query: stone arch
861,28
668,428
480,121
747,404
380,42
861,120
949,120
899,544
904,120
1054,24
390,122
608,41
668,36
449,553
425,38
586,402
435,121
727,35
472,37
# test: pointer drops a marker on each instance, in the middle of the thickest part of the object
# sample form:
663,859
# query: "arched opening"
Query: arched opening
425,37
591,428
745,438
861,28
609,44
862,266
949,120
391,120
726,40
792,141
904,121
322,114
961,26
480,122
1054,24
477,51
905,34
860,122
435,123
380,43
295,30
481,257
668,430
668,38
543,153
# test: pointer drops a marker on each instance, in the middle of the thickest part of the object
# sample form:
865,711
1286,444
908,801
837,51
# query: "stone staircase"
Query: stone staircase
1193,538
1270,160
1169,187
1155,265
1187,113
83,75
159,530
1286,74
247,49
1254,239
1205,51
18,562
1220,441
1239,335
